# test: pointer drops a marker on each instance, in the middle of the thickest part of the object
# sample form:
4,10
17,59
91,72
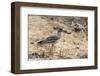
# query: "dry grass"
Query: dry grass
69,46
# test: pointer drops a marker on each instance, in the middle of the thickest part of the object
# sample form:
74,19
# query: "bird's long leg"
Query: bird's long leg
51,50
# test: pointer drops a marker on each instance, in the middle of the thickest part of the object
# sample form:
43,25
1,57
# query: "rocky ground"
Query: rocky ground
71,45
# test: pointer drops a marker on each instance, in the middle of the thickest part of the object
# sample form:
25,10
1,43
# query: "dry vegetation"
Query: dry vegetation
69,46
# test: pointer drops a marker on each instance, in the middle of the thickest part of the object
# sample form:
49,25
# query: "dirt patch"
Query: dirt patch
71,44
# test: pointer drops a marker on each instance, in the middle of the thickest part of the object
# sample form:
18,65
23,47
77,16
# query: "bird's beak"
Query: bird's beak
66,31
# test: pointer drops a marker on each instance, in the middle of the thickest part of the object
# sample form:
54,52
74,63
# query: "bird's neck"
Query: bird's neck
59,34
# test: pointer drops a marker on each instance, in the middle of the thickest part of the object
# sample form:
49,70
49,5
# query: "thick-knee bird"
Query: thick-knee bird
52,39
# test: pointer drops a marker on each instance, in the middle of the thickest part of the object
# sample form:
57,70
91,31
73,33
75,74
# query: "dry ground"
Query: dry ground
69,46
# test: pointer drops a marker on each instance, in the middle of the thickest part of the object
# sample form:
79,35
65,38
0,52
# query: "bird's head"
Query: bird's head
59,29
62,29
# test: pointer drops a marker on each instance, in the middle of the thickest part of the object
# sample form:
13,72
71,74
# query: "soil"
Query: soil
71,45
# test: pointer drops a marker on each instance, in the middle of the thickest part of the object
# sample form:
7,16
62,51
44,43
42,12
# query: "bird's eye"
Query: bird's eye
60,29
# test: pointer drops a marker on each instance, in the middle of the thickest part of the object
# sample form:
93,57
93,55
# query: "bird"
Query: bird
52,39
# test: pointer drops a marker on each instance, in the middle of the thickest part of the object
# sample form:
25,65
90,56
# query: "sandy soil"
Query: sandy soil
69,46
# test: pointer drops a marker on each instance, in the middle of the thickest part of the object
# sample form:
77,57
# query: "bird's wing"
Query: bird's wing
52,38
